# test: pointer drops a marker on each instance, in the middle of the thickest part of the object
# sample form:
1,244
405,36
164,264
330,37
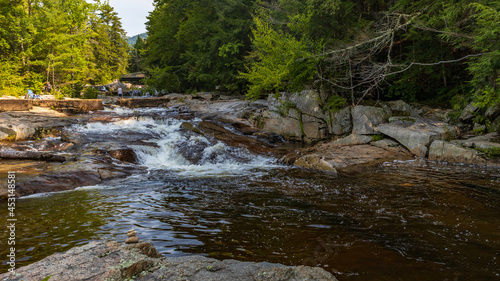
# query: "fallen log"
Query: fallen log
32,155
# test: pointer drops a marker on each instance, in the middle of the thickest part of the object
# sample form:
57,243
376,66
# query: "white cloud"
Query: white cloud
133,14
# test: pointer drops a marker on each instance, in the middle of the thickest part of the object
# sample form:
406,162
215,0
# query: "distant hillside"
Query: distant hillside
133,39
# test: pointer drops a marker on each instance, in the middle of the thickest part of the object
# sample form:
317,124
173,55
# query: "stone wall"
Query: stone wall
15,105
82,105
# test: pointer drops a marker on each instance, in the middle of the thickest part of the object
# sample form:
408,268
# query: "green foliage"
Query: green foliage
334,103
377,137
72,90
197,45
58,95
61,41
493,152
279,62
90,93
284,107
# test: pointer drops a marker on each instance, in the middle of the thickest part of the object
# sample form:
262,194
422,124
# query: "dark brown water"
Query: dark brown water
402,221
411,220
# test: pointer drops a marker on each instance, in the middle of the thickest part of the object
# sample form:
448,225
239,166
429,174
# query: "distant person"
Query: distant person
48,87
120,92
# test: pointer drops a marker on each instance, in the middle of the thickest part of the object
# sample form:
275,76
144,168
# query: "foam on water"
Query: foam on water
171,144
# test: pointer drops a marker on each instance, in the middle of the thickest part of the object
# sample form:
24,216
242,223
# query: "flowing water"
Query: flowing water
412,220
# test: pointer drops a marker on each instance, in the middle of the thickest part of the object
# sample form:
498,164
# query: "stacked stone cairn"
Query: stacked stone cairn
132,237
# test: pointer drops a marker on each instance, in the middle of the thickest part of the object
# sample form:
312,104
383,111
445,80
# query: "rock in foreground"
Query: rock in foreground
112,261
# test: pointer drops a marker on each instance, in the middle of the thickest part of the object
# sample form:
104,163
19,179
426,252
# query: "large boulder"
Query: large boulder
453,153
313,161
113,261
401,108
487,141
365,119
418,136
493,111
297,116
468,113
124,155
344,158
341,122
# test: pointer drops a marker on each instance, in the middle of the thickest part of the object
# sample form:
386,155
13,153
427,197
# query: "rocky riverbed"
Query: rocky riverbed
63,159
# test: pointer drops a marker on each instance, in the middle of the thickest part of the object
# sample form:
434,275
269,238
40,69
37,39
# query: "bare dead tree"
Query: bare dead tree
362,68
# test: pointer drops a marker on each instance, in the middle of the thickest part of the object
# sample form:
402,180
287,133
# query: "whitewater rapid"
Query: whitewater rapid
166,146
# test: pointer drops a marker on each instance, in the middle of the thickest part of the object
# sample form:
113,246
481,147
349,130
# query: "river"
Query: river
411,220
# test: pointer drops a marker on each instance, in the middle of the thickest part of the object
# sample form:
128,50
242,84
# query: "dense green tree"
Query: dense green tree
198,44
109,45
136,54
66,42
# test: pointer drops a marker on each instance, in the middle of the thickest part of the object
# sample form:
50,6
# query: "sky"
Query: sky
133,14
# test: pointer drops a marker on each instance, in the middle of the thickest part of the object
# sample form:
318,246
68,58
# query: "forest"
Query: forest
69,43
349,51
443,51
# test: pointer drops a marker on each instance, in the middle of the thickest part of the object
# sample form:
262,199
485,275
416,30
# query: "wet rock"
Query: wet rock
124,155
232,139
57,181
144,102
313,161
468,113
453,153
32,155
190,128
112,261
436,113
110,173
366,118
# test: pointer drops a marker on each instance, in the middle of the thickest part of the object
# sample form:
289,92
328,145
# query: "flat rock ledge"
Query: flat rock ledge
114,261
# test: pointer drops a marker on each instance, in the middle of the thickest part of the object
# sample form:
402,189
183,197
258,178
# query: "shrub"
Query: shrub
90,93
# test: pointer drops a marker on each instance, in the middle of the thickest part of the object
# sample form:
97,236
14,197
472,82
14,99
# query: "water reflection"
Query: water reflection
410,221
